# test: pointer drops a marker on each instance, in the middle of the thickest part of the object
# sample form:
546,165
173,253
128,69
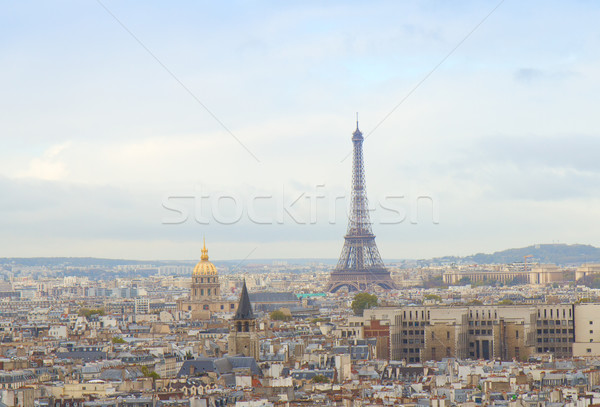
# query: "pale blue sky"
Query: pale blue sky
95,135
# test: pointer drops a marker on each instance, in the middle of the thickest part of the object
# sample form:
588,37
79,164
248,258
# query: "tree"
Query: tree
320,379
279,316
317,320
590,281
149,373
116,340
363,301
433,297
475,302
84,312
506,301
435,282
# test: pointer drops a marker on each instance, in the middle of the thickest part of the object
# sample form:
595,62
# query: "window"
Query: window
447,334
517,334
589,350
591,331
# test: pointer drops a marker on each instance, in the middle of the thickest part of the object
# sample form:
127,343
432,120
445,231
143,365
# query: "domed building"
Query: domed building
205,280
205,291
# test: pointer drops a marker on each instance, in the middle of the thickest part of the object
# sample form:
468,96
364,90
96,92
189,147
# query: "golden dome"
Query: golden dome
204,267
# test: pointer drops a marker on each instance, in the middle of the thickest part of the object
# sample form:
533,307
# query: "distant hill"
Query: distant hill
561,254
75,262
108,263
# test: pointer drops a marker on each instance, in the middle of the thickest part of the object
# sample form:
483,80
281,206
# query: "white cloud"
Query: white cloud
49,166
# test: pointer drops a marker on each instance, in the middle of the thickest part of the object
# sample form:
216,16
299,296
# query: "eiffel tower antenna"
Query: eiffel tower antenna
360,266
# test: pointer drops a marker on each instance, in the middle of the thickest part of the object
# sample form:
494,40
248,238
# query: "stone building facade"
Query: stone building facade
502,332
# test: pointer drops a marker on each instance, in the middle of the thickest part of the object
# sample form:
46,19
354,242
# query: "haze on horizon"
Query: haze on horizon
102,151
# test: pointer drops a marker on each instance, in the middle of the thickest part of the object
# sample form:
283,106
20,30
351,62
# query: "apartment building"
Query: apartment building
504,332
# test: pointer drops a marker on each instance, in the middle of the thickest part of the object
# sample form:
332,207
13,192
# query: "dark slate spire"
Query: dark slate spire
244,310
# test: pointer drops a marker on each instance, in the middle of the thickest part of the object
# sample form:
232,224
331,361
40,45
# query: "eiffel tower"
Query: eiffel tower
360,266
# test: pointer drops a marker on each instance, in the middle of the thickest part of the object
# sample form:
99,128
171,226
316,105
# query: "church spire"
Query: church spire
244,310
204,252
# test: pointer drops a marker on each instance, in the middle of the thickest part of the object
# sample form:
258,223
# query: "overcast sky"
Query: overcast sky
108,146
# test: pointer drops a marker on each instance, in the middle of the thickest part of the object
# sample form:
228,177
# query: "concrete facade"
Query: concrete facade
505,332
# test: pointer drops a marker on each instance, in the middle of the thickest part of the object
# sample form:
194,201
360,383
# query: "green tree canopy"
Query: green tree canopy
84,312
117,339
363,301
320,379
433,297
279,315
149,373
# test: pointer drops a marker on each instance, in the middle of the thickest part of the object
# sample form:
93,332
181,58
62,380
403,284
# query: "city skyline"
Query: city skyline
99,140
